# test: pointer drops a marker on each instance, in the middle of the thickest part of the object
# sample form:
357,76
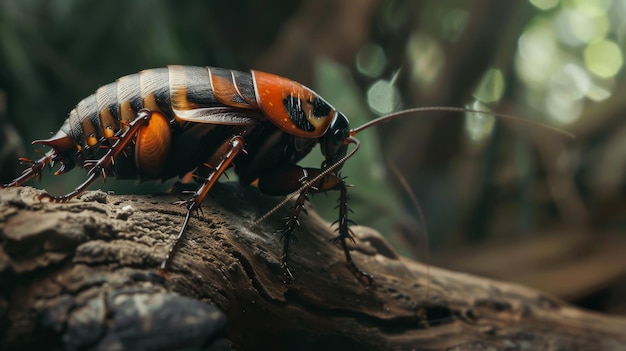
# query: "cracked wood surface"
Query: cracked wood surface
83,275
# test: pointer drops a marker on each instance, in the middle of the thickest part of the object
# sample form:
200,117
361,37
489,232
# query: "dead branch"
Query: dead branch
82,275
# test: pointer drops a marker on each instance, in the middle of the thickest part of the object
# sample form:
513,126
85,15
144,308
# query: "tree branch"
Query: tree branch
83,275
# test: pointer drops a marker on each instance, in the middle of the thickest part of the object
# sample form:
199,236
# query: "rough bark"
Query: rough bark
82,275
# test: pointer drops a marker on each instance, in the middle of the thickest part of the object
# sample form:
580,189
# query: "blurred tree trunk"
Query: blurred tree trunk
321,28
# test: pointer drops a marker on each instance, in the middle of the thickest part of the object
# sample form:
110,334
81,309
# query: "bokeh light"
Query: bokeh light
454,22
566,57
478,125
371,60
491,86
603,58
577,28
538,54
544,4
427,58
383,97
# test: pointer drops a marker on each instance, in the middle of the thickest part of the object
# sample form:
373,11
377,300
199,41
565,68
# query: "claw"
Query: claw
52,198
61,169
365,278
288,278
163,272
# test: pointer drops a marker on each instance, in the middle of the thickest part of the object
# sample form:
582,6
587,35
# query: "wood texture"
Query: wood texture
82,275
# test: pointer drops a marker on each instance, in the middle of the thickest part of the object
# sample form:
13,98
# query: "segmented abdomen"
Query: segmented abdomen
174,90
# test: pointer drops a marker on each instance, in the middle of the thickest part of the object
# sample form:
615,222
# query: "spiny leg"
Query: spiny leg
288,234
311,180
283,182
345,233
219,162
34,171
98,167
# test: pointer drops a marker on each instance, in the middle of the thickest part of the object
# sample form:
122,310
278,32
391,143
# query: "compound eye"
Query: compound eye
334,146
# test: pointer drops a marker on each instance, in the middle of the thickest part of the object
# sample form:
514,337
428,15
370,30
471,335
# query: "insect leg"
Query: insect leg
34,171
283,183
219,162
345,233
98,167
288,235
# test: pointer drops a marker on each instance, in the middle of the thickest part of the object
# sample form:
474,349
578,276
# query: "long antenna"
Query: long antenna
421,217
409,111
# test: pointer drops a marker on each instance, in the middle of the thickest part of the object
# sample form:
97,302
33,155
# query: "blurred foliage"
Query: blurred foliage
477,179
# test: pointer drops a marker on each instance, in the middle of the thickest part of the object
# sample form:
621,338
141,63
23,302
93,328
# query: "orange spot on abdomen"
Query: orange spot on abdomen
153,145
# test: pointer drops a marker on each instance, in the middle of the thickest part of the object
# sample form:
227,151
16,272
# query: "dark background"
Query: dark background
505,200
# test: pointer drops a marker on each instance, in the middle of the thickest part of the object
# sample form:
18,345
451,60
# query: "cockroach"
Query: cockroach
166,122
